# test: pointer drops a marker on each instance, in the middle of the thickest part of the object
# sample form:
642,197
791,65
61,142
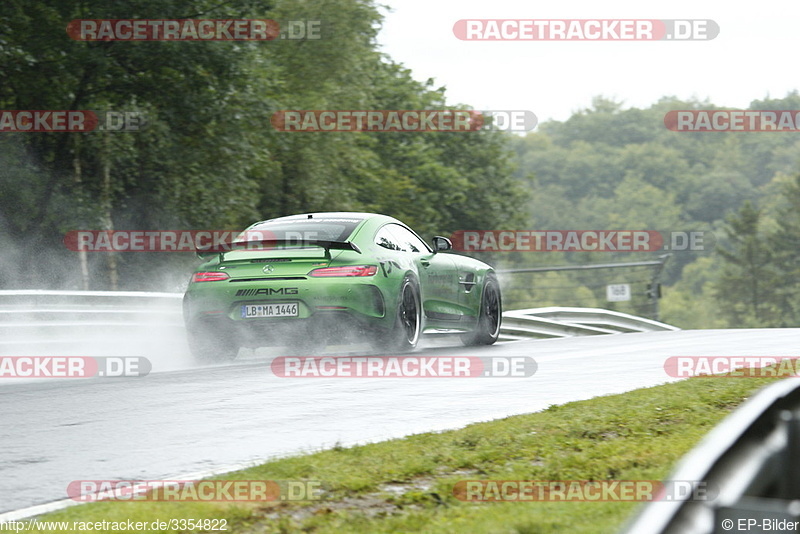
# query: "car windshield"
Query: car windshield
299,230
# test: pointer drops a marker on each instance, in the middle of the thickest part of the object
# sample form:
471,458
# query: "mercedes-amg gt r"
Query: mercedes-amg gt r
315,278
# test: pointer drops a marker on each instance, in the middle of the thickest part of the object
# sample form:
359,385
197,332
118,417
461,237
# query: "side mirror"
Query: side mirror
441,243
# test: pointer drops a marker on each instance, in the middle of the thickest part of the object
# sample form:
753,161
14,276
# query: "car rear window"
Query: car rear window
333,229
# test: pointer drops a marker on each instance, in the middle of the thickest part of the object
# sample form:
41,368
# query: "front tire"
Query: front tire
490,316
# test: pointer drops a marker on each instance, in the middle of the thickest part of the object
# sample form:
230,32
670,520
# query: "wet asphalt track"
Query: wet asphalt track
183,419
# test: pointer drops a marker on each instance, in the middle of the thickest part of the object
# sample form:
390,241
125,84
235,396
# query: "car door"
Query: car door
437,273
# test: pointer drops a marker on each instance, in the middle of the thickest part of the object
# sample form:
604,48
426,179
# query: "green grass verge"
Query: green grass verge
405,485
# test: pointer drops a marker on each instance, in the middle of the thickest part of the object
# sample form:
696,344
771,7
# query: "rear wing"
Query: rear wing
265,244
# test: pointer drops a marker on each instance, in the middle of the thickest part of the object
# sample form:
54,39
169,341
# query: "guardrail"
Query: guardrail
51,317
42,320
554,322
751,470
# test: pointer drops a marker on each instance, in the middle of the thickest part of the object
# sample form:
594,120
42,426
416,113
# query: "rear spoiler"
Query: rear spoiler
222,248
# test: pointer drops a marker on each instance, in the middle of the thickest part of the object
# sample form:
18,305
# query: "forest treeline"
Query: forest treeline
208,158
608,167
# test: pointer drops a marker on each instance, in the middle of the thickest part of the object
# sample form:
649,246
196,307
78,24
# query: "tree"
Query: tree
747,290
785,242
208,156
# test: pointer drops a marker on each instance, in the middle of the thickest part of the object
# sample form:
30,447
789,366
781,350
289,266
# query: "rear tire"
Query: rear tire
209,343
311,340
490,316
408,318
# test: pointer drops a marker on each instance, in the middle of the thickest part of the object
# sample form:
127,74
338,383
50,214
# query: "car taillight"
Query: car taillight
348,270
209,276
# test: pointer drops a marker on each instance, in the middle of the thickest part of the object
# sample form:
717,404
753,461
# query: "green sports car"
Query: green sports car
313,279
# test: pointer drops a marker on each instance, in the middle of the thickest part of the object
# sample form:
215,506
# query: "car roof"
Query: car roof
363,219
333,215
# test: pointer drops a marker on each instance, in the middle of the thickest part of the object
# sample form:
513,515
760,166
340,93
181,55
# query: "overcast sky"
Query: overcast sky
753,56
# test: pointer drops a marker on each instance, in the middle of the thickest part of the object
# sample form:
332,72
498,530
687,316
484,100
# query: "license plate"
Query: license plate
252,311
